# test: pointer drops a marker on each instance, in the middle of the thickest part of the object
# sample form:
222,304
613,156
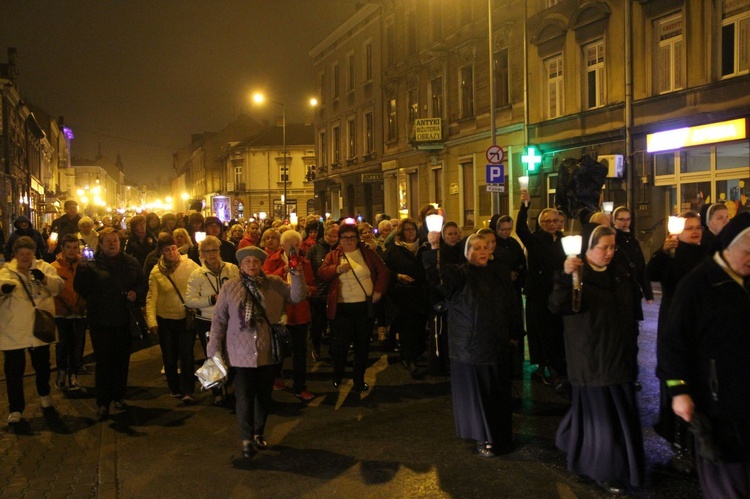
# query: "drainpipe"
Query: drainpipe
629,175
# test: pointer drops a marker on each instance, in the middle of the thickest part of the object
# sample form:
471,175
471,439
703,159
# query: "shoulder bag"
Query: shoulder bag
190,313
372,312
281,340
44,322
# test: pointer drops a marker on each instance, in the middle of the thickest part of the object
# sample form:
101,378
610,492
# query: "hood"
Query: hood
22,218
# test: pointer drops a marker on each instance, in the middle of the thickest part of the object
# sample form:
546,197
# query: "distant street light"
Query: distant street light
259,98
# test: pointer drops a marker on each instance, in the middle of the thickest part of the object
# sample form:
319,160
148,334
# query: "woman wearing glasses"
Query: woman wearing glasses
601,433
355,274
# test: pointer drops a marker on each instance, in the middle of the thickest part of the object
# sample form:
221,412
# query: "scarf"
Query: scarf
251,311
166,267
413,247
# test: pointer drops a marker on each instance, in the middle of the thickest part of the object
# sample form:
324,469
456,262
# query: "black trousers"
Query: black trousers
253,388
546,333
15,365
410,325
299,355
318,323
112,352
723,481
69,349
177,344
351,326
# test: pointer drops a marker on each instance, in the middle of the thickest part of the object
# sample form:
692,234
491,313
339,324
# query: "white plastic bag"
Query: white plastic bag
213,372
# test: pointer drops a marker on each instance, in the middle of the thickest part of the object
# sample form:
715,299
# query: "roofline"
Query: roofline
359,16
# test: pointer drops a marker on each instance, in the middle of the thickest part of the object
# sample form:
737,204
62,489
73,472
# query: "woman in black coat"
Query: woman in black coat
407,293
601,433
483,322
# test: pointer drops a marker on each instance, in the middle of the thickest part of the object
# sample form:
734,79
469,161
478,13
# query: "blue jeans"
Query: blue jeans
69,350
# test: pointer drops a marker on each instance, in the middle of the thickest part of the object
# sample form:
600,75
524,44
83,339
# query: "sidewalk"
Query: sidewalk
397,440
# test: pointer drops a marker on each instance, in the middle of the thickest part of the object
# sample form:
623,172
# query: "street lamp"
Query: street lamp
259,98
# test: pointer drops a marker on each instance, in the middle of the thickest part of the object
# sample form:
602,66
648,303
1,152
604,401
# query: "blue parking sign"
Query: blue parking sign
495,174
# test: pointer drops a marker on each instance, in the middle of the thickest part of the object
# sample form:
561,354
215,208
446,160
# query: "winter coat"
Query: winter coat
545,256
411,297
246,241
162,300
705,343
30,231
298,313
248,346
600,339
64,225
305,246
68,303
16,310
92,240
140,249
631,250
510,251
104,283
317,255
203,284
378,272
227,252
482,308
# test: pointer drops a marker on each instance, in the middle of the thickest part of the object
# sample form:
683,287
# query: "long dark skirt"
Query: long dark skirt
602,435
482,402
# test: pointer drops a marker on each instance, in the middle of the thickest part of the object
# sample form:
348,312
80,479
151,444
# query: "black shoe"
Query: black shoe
361,388
259,442
485,449
615,488
102,413
247,450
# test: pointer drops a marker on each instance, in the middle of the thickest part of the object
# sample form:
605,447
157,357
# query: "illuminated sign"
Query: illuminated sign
696,135
531,159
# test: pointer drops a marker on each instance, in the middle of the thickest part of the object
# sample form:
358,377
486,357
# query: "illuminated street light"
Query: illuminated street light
259,98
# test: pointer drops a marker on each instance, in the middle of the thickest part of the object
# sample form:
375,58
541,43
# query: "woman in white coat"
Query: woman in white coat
17,322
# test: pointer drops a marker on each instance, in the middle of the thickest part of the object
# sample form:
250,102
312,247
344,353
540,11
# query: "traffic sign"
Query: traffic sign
495,155
495,174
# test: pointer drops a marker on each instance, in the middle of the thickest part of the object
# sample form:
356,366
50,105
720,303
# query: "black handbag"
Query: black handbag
190,313
45,328
372,312
281,339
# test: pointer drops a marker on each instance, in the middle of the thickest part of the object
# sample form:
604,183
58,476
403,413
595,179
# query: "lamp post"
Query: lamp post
259,98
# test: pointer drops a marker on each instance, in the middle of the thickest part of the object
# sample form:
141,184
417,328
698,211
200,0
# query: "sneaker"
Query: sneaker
14,417
304,395
61,378
46,401
73,383
279,385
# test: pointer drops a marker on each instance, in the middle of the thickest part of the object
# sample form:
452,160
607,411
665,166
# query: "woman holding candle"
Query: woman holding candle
601,433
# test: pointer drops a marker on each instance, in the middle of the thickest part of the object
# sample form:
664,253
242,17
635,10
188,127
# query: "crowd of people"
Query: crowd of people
463,307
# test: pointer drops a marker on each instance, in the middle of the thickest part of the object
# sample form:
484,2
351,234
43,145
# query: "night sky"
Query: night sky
140,76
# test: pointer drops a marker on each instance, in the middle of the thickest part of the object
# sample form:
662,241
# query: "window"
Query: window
735,45
284,170
554,70
351,132
392,123
436,21
695,159
411,32
436,89
670,63
336,145
466,85
467,186
323,149
336,80
595,86
664,164
390,44
352,68
735,155
502,78
437,185
237,176
322,87
369,134
368,61
413,105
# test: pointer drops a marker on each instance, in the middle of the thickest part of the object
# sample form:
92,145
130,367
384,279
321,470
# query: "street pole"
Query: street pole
494,196
283,145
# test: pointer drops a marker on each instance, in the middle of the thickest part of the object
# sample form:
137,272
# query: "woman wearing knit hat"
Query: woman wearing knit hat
703,359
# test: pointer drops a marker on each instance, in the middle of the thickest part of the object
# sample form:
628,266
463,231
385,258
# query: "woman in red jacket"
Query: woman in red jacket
297,315
356,274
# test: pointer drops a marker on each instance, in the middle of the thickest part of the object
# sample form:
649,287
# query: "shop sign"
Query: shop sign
697,135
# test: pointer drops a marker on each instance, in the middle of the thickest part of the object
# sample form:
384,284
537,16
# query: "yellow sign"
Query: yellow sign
697,135
428,129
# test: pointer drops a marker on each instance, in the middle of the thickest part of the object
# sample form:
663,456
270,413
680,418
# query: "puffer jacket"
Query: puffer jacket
16,310
162,300
299,313
203,284
248,347
68,303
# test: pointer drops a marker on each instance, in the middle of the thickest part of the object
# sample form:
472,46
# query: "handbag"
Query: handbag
190,313
372,312
281,339
45,328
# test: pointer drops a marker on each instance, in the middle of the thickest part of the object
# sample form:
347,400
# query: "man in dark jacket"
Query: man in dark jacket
213,227
545,329
23,227
111,284
317,254
65,224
